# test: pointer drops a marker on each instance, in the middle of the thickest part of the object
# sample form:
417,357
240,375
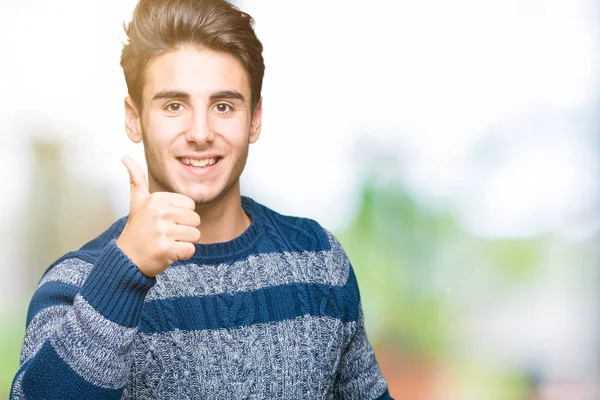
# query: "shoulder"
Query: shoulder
322,253
300,233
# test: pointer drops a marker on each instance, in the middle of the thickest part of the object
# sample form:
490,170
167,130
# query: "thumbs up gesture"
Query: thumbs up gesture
162,227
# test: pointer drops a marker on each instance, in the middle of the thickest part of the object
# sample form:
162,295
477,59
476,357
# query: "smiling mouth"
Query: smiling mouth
199,163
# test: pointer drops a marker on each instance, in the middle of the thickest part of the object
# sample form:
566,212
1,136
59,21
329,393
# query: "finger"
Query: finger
184,250
176,200
186,217
182,233
137,177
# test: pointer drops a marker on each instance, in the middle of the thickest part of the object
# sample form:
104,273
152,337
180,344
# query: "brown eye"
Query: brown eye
175,107
223,108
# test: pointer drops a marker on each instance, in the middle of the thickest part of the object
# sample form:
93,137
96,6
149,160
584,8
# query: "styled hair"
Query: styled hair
159,26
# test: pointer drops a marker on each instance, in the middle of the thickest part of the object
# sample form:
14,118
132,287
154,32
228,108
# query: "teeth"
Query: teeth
199,163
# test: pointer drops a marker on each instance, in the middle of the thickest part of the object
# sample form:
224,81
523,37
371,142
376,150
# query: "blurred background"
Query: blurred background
453,147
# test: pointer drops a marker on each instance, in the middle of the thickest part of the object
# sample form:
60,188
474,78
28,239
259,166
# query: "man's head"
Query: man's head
194,72
160,26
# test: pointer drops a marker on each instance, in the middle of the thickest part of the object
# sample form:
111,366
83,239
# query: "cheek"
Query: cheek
234,130
162,130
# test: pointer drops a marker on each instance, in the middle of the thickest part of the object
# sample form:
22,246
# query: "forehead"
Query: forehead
196,70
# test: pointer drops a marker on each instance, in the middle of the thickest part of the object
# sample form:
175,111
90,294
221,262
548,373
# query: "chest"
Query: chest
295,358
270,327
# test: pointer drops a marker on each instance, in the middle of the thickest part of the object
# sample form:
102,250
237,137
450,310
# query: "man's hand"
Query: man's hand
162,227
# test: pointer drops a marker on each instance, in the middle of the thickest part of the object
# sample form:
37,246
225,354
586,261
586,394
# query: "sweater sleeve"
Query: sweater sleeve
81,324
359,375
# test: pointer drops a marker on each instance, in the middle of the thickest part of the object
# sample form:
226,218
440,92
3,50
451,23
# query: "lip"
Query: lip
203,171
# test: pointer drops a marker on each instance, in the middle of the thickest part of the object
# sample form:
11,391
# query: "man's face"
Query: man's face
196,123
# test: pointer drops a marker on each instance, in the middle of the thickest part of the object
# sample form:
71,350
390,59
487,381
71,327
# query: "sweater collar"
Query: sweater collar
215,252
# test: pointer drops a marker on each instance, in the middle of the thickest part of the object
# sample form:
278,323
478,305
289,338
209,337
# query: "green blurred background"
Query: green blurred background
452,147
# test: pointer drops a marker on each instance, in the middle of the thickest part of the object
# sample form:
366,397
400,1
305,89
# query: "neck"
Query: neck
224,219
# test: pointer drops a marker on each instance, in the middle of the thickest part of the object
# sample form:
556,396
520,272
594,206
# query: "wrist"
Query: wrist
124,245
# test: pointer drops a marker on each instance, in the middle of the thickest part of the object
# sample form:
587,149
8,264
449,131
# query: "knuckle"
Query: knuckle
154,197
162,229
161,211
153,204
163,248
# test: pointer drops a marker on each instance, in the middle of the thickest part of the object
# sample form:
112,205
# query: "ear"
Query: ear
256,122
133,122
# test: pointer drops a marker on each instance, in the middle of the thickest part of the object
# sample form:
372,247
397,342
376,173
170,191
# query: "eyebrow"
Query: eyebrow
171,94
178,94
227,94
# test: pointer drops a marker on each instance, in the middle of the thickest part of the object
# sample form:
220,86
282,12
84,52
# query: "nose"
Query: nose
199,130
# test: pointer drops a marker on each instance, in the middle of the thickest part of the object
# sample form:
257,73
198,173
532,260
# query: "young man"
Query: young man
199,293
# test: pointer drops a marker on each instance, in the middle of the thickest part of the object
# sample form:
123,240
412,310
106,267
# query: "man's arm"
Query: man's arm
80,329
359,376
82,319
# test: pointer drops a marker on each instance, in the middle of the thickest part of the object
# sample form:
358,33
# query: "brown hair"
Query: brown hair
159,26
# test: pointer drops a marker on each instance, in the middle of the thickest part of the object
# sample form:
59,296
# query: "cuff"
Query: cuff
116,288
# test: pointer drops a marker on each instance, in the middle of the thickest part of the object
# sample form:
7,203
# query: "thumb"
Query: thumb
137,178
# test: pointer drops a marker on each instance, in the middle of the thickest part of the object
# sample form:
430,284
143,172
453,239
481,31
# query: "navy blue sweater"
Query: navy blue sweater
274,313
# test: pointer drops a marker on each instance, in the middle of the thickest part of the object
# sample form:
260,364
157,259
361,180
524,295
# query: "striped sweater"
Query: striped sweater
274,313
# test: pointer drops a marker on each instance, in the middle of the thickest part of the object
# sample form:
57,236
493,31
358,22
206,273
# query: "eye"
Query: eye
223,108
174,107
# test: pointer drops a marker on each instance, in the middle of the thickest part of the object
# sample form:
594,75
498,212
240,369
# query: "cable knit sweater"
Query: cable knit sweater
274,313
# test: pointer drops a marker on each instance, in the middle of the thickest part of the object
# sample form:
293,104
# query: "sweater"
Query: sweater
273,313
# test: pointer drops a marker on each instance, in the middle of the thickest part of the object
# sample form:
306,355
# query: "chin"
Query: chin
200,198
203,200
203,196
